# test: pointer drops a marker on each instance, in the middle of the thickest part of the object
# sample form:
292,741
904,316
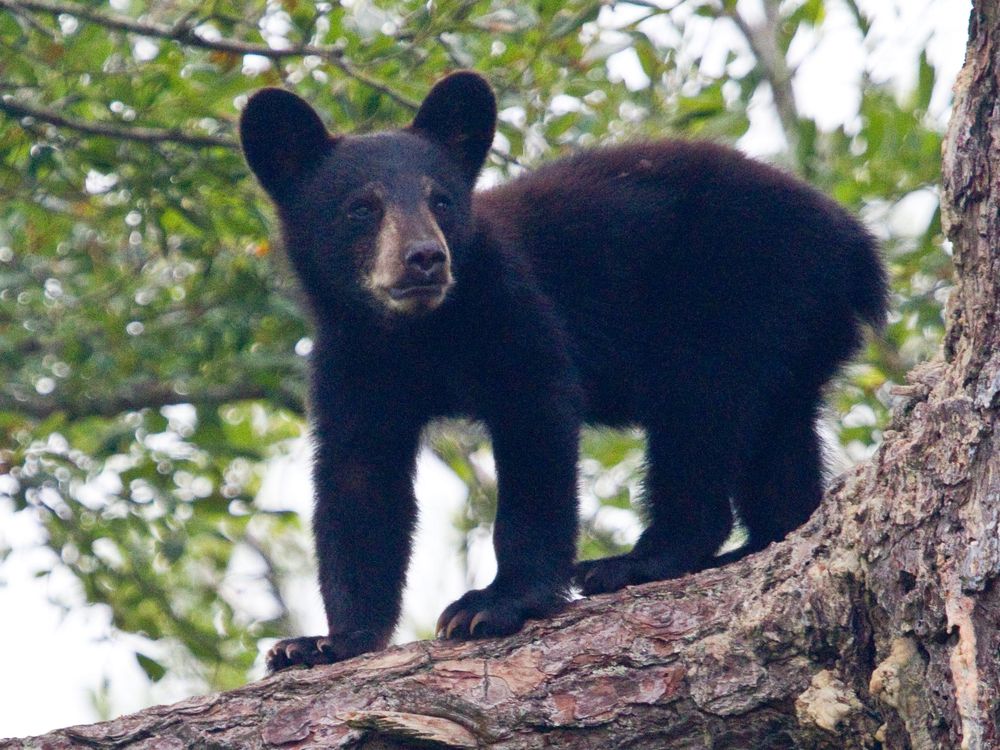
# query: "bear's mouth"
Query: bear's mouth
419,291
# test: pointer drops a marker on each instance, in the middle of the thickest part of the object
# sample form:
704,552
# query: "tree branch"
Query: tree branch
185,32
666,665
149,395
771,62
121,132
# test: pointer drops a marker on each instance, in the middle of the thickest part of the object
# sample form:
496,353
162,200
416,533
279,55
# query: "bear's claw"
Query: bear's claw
311,651
494,612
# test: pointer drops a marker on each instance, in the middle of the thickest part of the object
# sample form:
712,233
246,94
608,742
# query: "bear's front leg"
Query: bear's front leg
363,524
535,445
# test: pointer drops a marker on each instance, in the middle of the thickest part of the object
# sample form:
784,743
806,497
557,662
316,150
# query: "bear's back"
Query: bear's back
666,205
676,251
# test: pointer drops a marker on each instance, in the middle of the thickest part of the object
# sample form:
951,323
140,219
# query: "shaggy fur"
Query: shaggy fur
678,286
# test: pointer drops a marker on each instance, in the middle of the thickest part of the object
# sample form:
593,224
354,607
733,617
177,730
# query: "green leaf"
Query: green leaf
926,76
153,669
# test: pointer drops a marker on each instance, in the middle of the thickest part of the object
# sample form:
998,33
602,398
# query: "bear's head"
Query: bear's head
373,219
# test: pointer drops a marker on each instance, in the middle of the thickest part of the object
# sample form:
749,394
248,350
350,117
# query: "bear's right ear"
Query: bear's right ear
460,113
283,139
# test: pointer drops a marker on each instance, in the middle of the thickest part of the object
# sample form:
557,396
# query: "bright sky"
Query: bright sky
55,659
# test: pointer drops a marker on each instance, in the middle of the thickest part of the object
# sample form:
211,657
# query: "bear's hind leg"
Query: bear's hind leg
783,484
689,480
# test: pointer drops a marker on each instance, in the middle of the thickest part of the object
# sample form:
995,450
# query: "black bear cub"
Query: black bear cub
678,286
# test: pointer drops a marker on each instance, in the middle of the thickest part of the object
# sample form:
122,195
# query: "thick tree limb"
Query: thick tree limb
875,625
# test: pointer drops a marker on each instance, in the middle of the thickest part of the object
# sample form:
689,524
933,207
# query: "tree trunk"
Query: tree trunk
875,625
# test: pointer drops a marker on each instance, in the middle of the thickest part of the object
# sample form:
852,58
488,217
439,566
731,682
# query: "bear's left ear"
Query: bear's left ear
283,139
460,113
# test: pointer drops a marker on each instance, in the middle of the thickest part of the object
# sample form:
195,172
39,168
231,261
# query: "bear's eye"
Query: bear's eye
440,202
362,210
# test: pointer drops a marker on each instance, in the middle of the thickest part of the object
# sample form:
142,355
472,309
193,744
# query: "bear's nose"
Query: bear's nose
425,257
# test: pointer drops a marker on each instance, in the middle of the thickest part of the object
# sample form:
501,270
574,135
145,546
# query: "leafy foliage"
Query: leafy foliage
152,341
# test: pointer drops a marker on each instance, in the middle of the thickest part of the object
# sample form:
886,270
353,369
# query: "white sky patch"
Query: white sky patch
912,213
304,346
765,136
435,578
516,116
245,588
255,64
68,24
829,64
60,650
274,27
94,494
625,66
208,32
145,49
96,183
562,104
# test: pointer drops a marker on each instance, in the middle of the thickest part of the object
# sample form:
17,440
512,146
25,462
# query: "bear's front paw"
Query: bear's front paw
497,611
614,573
320,649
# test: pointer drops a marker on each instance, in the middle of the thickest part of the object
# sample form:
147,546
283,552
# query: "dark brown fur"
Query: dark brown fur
678,286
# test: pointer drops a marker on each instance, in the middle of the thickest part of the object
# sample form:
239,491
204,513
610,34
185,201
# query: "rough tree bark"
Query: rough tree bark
875,625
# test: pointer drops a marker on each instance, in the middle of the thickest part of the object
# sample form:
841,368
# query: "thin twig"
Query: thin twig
41,28
108,130
772,64
859,17
152,395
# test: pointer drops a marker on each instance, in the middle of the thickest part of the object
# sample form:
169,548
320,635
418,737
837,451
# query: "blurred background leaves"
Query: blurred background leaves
152,348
